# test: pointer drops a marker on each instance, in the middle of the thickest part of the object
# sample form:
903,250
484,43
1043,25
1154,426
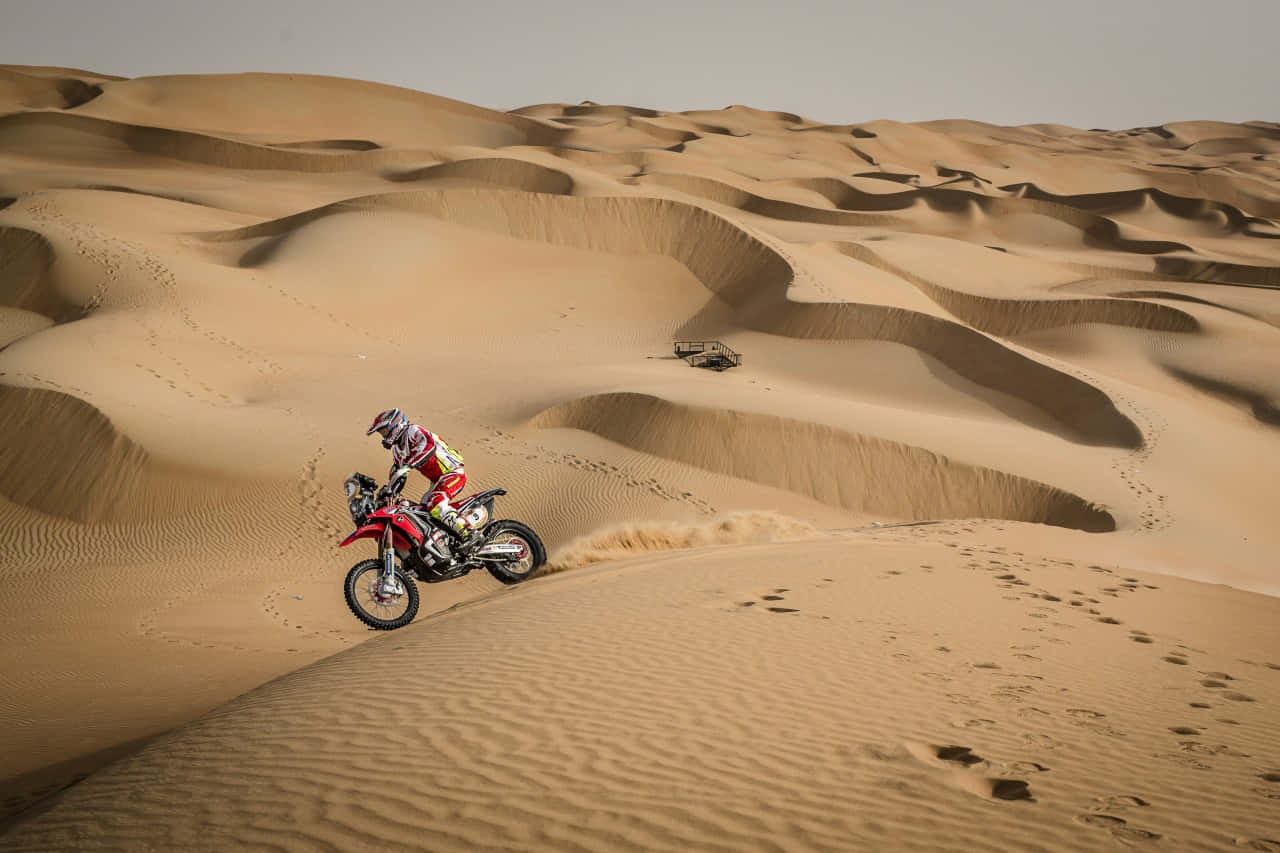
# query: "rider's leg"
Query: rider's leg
439,502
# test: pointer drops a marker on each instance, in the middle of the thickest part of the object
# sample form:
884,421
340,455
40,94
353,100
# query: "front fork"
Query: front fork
389,581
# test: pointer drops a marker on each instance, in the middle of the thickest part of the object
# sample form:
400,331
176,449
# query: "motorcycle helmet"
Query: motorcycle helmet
390,424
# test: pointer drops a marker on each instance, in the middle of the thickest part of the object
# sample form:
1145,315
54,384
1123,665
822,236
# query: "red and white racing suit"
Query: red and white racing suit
422,450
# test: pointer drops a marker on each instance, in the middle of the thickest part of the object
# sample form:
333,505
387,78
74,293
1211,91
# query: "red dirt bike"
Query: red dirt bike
412,543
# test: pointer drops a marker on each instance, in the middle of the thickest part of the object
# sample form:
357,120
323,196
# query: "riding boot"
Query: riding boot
467,538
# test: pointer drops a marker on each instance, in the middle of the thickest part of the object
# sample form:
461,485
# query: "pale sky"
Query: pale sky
1121,63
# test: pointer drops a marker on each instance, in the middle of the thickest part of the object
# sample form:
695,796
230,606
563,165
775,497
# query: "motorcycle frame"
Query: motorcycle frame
394,527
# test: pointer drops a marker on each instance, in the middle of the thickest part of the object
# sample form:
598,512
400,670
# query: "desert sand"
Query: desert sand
976,550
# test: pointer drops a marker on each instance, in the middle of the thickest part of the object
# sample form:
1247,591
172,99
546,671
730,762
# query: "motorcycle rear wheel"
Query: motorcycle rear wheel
357,590
515,571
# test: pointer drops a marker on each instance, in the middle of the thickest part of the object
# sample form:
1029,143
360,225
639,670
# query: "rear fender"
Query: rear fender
482,499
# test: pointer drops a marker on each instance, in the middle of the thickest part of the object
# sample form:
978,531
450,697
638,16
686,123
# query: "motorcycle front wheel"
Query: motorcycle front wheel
379,608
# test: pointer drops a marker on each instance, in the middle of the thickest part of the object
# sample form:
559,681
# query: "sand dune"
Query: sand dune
1013,219
24,273
339,109
975,550
701,723
65,136
62,457
39,92
505,172
894,479
1262,405
751,278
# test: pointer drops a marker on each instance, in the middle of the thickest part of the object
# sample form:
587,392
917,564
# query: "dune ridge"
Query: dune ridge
338,108
35,91
1008,317
750,277
1264,409
114,137
1095,230
505,172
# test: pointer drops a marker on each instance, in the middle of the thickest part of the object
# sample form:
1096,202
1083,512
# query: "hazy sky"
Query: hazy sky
1120,63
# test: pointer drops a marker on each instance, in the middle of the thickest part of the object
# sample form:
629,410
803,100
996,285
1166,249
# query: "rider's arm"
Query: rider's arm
396,479
415,445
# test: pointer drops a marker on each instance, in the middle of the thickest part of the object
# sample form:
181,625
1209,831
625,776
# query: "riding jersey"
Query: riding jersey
423,450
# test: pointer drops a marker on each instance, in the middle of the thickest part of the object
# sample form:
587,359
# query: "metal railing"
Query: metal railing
710,354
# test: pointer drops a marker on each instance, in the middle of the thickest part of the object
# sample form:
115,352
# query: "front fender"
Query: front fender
368,531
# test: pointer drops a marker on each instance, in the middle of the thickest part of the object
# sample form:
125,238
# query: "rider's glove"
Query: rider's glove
390,490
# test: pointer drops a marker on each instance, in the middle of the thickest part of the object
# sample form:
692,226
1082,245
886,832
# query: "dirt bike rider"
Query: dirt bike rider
415,448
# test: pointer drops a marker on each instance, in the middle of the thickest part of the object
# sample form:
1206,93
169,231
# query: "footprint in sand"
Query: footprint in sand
1119,802
959,759
961,755
1003,789
773,596
1028,767
1184,759
1118,827
975,724
1085,714
1206,749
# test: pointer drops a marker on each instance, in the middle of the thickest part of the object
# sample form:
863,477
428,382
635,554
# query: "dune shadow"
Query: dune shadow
857,472
1262,409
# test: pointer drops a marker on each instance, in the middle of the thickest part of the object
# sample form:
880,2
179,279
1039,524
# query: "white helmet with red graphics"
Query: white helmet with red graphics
390,424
